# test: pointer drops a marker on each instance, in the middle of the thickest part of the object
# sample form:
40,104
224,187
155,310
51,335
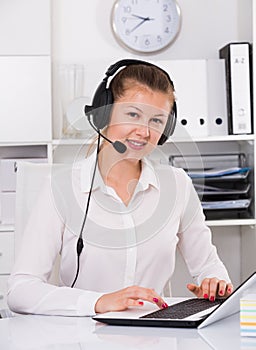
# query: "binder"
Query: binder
238,67
191,102
216,87
202,109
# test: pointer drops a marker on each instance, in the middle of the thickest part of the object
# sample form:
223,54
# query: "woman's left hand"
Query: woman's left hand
211,288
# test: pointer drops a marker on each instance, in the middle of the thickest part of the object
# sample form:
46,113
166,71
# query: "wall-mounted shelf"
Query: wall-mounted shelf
222,138
6,228
225,138
235,222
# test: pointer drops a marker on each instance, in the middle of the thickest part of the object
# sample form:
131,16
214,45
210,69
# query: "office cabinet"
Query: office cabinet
25,106
25,90
6,252
3,291
6,262
10,153
25,27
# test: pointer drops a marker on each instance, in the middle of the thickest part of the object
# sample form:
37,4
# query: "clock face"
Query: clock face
145,26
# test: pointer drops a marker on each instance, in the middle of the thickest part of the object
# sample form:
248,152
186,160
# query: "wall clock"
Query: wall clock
145,26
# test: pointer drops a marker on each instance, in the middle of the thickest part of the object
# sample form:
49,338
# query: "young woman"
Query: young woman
139,213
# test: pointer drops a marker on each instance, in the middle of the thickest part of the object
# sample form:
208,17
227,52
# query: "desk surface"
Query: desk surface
76,333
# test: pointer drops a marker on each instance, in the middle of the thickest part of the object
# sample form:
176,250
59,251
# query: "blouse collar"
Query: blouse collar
148,175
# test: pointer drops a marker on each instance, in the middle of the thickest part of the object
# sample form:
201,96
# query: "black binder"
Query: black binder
238,66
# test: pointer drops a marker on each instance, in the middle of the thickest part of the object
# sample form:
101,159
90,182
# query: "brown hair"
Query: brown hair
149,75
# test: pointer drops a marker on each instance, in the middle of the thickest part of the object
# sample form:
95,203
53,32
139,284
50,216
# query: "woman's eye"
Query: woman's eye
157,121
133,114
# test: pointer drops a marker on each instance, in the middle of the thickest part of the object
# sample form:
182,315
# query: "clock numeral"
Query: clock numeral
147,42
135,39
127,9
127,32
167,30
159,39
168,18
124,19
165,7
134,2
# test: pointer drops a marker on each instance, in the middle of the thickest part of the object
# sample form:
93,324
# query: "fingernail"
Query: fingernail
229,290
155,300
164,306
141,303
206,296
212,298
221,292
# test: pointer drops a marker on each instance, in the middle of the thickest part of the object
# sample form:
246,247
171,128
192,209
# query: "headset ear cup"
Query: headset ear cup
102,104
170,125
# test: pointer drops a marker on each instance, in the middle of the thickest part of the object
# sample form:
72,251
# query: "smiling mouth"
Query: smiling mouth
136,144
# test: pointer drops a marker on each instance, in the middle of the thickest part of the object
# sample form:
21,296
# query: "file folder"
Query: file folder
238,68
219,172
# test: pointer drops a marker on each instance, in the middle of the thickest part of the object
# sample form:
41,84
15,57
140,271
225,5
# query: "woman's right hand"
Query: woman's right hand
130,296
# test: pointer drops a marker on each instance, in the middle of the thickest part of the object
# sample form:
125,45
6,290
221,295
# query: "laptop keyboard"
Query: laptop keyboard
184,309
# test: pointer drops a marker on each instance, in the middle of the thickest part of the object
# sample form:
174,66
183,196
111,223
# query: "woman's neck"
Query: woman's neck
122,174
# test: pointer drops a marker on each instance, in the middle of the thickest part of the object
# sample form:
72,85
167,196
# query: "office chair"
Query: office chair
30,179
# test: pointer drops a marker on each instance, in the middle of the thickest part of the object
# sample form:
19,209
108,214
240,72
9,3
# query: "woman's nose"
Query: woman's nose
142,130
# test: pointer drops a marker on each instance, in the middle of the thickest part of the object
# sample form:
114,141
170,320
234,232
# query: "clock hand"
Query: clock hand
139,24
139,16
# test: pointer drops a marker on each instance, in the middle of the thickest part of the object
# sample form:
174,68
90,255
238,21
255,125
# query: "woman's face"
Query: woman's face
138,119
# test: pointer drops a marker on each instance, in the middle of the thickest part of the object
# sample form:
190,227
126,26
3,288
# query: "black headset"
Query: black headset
103,100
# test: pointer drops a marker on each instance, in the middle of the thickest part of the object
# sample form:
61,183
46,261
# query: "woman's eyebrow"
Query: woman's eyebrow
135,107
161,115
155,115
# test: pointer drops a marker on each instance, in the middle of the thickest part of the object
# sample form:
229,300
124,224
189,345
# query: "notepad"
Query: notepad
248,315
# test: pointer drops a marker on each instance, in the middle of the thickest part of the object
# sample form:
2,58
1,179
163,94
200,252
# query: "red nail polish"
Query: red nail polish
164,306
155,300
141,303
221,292
229,290
212,298
206,296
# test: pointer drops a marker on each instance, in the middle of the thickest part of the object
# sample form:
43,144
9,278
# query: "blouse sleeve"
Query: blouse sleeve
195,240
29,290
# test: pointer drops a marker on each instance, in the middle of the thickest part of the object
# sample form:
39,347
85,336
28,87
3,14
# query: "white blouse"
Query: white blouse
123,245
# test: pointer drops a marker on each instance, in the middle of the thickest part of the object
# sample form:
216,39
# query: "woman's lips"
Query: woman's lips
135,144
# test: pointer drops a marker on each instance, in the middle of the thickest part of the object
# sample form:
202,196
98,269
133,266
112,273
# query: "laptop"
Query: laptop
201,313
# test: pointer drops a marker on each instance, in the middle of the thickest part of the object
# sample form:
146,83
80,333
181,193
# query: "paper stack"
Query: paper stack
248,315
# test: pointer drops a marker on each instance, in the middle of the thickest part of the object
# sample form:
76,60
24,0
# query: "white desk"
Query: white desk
82,333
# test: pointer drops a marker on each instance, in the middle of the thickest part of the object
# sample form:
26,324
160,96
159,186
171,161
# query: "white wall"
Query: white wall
81,29
81,33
